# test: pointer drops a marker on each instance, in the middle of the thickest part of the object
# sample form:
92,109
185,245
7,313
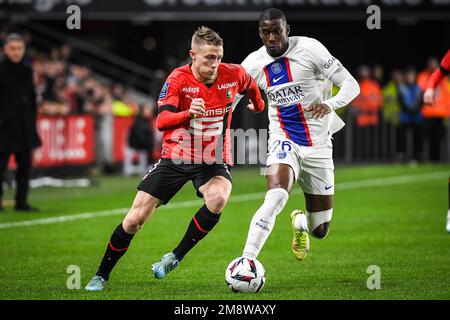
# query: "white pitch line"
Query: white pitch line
350,185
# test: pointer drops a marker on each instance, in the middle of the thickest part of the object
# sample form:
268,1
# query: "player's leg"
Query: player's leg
214,185
158,186
448,211
4,156
316,222
215,193
319,211
280,178
317,182
142,209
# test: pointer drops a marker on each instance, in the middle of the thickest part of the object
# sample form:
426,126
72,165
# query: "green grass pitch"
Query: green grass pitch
389,216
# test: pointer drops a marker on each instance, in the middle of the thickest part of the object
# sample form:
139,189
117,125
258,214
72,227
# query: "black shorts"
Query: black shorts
165,178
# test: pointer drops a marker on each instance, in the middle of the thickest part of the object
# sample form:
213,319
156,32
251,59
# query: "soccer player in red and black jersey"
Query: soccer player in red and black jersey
428,97
195,115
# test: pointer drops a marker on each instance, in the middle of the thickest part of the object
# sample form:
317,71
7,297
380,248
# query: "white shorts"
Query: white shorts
313,166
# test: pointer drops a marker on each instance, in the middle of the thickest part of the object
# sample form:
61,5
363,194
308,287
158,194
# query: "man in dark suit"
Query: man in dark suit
18,110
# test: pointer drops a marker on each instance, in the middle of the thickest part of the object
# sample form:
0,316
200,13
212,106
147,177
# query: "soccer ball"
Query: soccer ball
245,275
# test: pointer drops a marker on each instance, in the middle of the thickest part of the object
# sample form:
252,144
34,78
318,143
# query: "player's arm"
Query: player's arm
256,102
348,89
169,118
169,114
331,68
436,77
441,72
250,88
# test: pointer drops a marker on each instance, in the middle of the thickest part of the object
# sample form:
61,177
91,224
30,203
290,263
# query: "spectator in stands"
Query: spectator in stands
122,106
378,74
140,141
370,99
77,75
98,102
367,105
391,106
431,65
411,119
54,99
18,112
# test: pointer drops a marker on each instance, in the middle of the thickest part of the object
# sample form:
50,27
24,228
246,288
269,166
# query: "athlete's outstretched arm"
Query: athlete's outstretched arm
169,118
349,89
441,72
437,76
255,96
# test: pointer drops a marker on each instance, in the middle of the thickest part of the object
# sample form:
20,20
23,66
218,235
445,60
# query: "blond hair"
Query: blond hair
204,36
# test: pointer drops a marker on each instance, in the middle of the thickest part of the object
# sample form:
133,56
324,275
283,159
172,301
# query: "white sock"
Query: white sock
448,220
301,223
263,221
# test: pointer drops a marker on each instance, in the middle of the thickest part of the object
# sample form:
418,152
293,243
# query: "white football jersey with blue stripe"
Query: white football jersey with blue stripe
299,78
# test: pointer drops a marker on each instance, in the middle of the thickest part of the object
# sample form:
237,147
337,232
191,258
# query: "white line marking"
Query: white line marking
350,185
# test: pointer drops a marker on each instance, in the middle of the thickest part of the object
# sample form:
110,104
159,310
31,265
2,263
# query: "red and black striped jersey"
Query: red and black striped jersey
203,139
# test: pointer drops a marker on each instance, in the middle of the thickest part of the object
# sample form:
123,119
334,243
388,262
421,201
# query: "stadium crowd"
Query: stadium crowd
398,101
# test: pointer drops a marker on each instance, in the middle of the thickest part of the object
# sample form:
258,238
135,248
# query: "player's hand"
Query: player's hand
197,108
428,96
254,109
318,111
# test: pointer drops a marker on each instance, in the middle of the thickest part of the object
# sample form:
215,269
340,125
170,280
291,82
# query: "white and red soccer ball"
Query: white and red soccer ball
245,275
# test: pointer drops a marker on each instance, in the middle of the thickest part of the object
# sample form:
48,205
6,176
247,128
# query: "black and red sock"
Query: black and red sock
117,246
202,223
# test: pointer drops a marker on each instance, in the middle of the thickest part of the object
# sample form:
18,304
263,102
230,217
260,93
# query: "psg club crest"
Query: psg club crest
276,68
228,94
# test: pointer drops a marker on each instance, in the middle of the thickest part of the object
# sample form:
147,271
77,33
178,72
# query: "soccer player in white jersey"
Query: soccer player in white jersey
297,74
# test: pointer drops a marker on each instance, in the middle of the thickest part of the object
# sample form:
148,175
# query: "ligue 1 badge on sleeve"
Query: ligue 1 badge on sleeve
163,93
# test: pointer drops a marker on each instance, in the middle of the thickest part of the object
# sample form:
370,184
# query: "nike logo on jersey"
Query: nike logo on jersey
328,187
275,80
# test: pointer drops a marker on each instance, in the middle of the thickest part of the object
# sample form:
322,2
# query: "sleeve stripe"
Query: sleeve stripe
168,107
246,88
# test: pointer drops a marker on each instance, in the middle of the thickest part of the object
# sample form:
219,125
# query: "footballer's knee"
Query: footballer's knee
215,201
321,231
143,207
131,224
135,219
276,198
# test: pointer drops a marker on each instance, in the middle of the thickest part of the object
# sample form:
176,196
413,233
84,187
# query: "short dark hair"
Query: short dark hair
272,14
13,37
204,35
